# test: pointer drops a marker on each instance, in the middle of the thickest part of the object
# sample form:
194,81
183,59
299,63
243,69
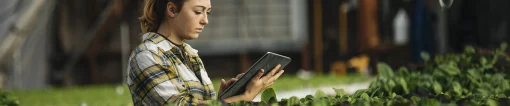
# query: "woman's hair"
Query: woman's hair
153,13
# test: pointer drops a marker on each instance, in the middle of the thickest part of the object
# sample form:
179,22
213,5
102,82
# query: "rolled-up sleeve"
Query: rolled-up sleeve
153,81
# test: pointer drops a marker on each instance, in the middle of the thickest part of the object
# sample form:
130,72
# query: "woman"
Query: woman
164,69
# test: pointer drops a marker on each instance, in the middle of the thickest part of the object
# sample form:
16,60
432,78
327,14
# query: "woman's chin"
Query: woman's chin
193,36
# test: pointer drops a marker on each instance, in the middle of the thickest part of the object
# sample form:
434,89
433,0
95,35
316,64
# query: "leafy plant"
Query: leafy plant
6,99
468,78
269,96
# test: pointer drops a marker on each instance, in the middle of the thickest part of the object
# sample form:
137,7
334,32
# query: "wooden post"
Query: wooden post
344,45
317,35
368,32
305,57
245,62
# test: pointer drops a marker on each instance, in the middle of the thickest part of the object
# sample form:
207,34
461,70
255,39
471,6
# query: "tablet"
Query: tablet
266,62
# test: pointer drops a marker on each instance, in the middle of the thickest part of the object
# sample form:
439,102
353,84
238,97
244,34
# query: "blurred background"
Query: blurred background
55,50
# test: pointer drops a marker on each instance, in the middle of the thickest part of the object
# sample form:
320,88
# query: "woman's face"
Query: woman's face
191,19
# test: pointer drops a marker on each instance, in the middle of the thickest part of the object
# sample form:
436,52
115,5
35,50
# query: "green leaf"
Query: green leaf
505,85
238,103
375,91
274,104
384,70
268,95
321,102
429,102
457,88
365,96
491,103
503,46
391,84
469,50
393,95
339,92
482,91
403,71
359,92
449,69
293,101
415,98
362,102
309,97
473,73
404,85
320,93
425,56
437,87
483,61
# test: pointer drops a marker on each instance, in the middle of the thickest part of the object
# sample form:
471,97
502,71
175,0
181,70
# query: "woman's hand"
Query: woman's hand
224,84
257,84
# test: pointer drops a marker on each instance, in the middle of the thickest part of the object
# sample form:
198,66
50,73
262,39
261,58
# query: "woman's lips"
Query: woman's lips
199,30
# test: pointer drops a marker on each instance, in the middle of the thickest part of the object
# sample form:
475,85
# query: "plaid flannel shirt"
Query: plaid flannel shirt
156,75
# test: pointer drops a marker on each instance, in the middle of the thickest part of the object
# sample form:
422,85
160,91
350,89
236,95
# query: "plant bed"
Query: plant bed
463,79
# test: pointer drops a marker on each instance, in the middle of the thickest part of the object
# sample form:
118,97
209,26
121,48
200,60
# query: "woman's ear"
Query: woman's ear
171,9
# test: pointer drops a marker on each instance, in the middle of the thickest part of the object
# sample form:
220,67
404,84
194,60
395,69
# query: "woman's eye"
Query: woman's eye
208,13
198,12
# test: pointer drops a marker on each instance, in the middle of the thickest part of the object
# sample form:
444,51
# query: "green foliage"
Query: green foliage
468,78
385,71
292,82
118,95
97,95
269,96
339,92
6,99
320,93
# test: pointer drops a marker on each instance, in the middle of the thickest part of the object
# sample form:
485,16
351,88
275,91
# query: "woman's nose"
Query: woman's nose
204,20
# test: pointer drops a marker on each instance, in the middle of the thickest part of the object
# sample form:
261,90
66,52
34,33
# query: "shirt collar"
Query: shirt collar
166,45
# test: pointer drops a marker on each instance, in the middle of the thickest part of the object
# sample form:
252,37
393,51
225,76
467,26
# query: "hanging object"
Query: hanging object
401,28
445,4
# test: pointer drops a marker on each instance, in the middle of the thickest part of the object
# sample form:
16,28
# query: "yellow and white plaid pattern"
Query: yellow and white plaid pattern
156,76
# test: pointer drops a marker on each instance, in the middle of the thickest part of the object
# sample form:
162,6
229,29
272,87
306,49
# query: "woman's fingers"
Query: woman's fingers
231,81
276,76
223,82
259,74
272,72
239,75
222,86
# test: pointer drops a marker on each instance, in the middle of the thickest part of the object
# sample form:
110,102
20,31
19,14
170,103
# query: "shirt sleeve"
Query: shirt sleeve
155,82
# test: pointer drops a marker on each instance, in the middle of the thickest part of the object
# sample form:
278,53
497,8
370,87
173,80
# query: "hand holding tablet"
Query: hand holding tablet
255,79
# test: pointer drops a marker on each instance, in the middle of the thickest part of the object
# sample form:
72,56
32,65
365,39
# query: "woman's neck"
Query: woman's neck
166,32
